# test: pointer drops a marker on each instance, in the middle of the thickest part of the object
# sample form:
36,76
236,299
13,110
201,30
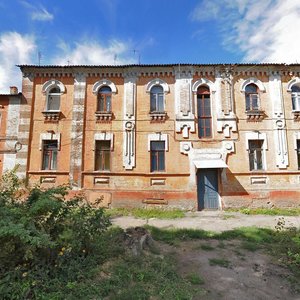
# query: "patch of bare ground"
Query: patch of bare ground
228,270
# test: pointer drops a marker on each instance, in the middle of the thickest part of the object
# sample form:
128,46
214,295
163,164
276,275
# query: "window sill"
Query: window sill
52,116
255,115
158,116
103,116
296,114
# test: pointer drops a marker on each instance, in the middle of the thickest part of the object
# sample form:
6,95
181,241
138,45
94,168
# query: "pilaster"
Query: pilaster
129,135
77,129
279,126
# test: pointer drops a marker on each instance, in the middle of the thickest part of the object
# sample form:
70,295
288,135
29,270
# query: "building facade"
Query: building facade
188,136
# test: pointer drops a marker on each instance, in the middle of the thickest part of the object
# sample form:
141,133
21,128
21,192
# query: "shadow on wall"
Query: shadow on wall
231,186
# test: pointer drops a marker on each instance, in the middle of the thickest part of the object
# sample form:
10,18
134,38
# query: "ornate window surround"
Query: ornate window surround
156,137
103,116
158,116
291,83
52,115
104,82
253,80
262,136
203,81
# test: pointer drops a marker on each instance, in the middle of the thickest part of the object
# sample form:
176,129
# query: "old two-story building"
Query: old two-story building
178,135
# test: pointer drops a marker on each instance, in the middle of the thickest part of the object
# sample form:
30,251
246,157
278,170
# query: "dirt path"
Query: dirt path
238,274
210,220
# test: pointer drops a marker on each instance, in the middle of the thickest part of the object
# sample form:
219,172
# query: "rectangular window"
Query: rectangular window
104,102
204,116
49,155
102,156
252,102
157,102
296,101
157,150
256,155
298,153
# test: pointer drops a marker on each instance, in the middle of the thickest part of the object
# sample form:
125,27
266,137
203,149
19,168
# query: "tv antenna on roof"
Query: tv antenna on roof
139,55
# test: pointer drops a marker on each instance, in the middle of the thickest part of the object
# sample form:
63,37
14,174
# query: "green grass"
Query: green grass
250,246
146,213
147,277
284,245
267,211
206,247
221,262
194,279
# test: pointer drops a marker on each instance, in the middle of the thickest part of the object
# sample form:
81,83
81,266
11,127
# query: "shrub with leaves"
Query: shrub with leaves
42,234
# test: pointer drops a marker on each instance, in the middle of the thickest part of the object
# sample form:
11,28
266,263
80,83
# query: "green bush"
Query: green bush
45,238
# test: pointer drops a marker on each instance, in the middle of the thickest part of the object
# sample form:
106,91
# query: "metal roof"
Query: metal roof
154,65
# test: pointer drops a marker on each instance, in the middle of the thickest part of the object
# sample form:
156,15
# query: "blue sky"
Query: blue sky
146,31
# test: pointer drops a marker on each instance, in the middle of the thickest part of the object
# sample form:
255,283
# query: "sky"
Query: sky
115,32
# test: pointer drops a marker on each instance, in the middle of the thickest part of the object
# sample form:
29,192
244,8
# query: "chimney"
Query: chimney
13,90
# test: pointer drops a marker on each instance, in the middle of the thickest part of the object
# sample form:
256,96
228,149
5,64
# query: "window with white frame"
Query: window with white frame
204,112
158,144
104,99
252,97
157,154
255,149
102,155
53,99
50,149
157,99
256,146
296,97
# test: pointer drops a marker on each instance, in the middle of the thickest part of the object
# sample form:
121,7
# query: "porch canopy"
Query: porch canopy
210,163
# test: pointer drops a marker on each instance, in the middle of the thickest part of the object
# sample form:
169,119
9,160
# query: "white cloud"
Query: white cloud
42,15
265,31
93,53
14,49
38,13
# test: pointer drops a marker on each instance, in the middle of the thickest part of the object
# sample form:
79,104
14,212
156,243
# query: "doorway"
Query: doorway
207,189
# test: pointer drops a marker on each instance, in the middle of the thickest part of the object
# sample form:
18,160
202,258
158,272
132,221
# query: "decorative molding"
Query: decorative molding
203,81
104,82
157,181
105,136
293,82
253,80
155,82
227,124
158,116
184,104
205,154
256,135
258,180
101,180
129,128
50,136
158,137
103,116
48,85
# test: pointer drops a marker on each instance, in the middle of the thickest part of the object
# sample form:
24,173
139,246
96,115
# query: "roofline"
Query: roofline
19,94
154,65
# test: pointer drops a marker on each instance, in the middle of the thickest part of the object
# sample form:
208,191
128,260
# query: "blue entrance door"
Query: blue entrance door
207,188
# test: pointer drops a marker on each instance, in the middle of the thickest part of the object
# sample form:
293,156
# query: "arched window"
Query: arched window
204,112
252,97
53,99
296,97
104,99
157,99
